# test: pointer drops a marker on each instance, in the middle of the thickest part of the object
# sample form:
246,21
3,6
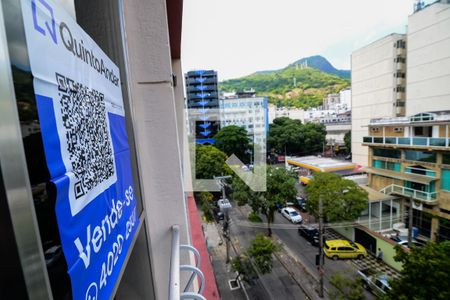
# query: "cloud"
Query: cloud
239,37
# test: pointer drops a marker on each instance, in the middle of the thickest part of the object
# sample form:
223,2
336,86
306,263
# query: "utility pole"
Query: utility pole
321,256
226,234
225,206
410,222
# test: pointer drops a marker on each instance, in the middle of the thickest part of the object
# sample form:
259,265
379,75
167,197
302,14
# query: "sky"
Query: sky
239,37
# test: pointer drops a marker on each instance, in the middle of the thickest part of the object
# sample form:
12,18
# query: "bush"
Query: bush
253,217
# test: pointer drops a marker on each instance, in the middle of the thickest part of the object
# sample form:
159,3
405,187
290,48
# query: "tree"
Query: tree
280,188
260,253
242,265
206,204
343,199
346,288
261,250
425,273
348,141
233,140
284,134
313,138
210,162
296,138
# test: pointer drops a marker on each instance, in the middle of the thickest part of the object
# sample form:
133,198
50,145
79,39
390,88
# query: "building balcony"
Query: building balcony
200,87
428,198
201,80
414,142
202,95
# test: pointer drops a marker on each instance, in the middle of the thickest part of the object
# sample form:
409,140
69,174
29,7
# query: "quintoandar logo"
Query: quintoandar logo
51,28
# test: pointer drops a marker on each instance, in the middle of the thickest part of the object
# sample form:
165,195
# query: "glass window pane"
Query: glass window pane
391,153
420,156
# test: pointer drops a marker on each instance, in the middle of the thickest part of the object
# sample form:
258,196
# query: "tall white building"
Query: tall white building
428,55
249,113
378,87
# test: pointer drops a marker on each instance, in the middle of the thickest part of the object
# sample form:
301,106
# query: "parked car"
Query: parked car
279,206
304,180
376,282
336,249
403,241
311,234
218,215
292,215
300,203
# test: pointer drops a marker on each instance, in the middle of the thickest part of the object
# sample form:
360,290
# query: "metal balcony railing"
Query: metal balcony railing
407,141
175,292
409,192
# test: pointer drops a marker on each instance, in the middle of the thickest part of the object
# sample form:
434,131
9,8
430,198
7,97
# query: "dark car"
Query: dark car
300,203
311,234
218,215
279,206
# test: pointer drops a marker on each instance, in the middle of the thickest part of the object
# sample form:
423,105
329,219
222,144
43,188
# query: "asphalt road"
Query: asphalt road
306,253
278,284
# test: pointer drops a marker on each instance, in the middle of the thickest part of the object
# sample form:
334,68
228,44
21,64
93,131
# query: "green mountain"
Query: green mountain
293,86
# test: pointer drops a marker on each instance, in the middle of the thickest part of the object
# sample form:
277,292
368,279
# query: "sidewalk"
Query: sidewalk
217,250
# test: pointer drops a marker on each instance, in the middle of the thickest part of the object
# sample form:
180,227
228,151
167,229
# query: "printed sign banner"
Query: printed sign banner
82,120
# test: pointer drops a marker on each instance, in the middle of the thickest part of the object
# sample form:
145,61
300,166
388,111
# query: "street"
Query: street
297,247
306,253
276,285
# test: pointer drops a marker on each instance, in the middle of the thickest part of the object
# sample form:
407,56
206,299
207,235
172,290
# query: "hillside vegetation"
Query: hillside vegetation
292,86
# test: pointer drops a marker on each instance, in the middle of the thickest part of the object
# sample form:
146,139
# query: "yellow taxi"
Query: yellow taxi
336,249
304,180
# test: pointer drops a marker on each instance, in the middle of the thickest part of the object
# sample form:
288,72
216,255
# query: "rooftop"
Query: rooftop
321,164
425,117
374,195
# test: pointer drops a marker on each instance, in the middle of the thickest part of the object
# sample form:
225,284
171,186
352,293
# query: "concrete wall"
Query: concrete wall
380,182
372,89
155,121
428,67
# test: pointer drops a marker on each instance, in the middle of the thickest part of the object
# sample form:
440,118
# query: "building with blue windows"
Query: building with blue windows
203,102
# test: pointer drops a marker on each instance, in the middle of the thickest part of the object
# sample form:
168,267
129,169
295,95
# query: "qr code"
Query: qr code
83,116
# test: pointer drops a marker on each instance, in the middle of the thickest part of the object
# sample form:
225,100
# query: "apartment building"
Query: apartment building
400,131
202,98
428,60
249,113
105,221
378,87
409,157
278,112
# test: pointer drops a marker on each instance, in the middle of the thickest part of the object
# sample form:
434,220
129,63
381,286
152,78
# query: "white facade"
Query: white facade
315,115
345,99
376,78
428,66
331,101
249,113
292,113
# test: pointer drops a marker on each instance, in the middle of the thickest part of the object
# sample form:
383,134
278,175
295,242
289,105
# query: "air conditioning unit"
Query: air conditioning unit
398,129
417,205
